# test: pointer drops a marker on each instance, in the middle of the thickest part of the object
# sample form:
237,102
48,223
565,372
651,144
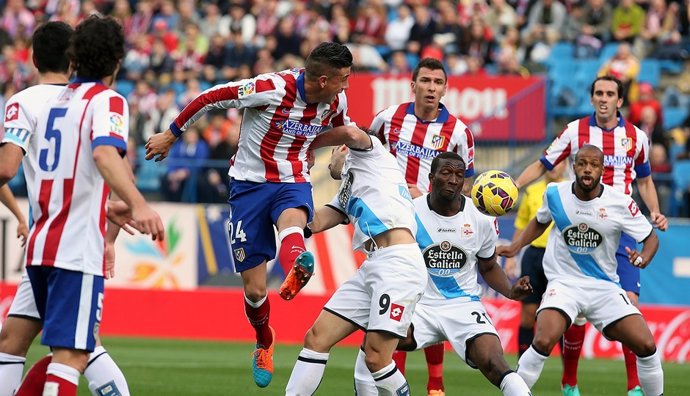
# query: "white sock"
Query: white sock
390,381
11,368
288,231
530,365
65,372
513,385
104,376
364,382
651,374
307,374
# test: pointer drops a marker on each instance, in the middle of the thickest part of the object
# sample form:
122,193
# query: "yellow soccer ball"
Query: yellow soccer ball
494,193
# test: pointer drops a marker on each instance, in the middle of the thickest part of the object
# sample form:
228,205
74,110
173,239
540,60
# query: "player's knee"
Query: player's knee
13,343
254,293
544,343
375,361
314,340
645,348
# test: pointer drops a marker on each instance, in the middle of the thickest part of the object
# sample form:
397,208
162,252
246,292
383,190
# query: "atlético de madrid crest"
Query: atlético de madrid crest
626,143
239,254
437,141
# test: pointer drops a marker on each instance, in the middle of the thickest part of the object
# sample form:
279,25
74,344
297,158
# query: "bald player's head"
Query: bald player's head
590,149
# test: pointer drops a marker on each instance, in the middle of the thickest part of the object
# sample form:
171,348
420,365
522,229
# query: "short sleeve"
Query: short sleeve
633,221
110,123
544,213
19,125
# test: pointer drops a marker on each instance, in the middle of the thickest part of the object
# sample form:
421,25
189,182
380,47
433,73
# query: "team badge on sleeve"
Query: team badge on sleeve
12,112
117,124
246,89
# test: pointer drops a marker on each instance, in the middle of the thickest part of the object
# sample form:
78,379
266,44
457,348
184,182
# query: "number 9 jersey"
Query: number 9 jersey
450,246
57,127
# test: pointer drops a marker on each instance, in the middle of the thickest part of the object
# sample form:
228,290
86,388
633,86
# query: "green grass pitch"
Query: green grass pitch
156,367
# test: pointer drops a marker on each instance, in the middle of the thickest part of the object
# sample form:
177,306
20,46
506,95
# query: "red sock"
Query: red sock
572,345
434,363
258,318
291,246
399,358
59,386
631,367
35,378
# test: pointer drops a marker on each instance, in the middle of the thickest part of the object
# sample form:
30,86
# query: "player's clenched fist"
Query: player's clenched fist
158,145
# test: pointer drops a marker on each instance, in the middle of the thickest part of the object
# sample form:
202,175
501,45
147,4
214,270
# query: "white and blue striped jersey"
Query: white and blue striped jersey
373,194
451,246
586,235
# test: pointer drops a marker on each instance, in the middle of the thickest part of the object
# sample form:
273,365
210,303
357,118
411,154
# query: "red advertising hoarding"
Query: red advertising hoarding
218,314
495,108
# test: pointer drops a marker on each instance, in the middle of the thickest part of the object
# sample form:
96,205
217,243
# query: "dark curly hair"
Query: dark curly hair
97,47
50,42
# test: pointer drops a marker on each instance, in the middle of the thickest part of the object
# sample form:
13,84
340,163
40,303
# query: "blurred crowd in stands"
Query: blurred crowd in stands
176,49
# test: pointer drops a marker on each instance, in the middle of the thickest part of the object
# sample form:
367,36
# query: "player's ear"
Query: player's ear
322,81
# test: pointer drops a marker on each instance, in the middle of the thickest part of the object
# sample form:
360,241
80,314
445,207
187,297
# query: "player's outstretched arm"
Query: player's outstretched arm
533,230
496,278
648,193
533,172
115,172
649,248
351,136
7,198
158,146
325,218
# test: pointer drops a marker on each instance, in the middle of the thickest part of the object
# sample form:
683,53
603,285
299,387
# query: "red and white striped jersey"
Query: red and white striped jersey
415,142
277,127
625,147
67,194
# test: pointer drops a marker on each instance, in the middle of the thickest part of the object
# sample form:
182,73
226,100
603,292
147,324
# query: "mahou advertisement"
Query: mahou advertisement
495,108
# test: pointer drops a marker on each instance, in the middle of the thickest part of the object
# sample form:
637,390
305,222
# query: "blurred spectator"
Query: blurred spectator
370,24
183,161
655,131
218,128
241,21
449,33
475,67
191,91
398,29
187,15
422,31
142,19
366,58
215,186
160,61
509,65
123,13
238,53
17,20
265,63
137,120
161,32
511,43
501,17
266,17
455,65
137,59
132,154
168,15
340,25
645,99
627,21
626,67
545,22
399,64
162,115
215,59
286,39
658,161
144,95
478,42
588,27
213,22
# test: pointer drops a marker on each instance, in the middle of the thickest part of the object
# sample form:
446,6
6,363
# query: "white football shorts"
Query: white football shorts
383,293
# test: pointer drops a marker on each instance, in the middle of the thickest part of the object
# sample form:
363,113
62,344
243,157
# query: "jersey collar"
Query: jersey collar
300,87
442,115
593,121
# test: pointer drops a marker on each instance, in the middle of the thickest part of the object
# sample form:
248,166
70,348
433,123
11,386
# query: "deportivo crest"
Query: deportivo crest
466,231
397,312
246,89
602,213
626,143
12,112
239,254
437,141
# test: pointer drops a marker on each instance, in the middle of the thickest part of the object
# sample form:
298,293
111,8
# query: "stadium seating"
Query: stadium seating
650,71
149,173
681,183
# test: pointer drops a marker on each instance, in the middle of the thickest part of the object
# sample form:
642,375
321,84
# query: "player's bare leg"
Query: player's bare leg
327,330
15,339
257,308
486,353
297,262
378,356
551,324
634,386
633,332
